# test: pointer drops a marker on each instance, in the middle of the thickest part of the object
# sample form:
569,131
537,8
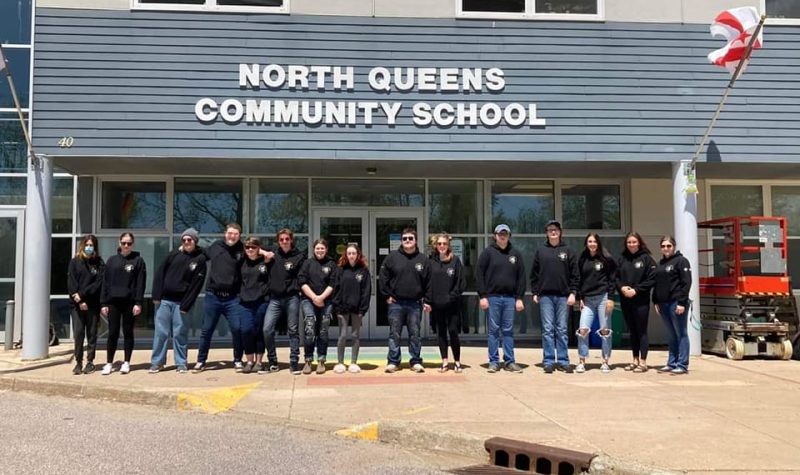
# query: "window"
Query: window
531,9
253,6
61,205
133,205
736,200
345,192
207,204
13,190
455,206
525,206
13,149
786,203
591,206
782,9
15,22
280,204
19,63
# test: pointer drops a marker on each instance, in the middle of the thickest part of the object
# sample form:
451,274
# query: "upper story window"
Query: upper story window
250,6
782,11
15,22
531,9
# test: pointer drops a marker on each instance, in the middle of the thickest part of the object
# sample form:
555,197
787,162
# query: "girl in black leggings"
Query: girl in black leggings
122,299
447,285
635,279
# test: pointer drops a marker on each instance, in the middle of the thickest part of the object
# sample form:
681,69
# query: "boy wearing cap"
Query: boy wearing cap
176,285
500,282
555,280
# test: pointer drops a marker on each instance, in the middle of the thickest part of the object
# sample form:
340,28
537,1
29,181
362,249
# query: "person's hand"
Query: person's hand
571,300
609,306
268,255
680,309
484,303
426,307
137,310
76,297
183,312
519,306
580,304
318,301
83,306
103,311
535,299
390,300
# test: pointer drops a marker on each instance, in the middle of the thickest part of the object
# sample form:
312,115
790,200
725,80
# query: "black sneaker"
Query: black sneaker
549,369
273,367
294,368
78,369
565,368
89,368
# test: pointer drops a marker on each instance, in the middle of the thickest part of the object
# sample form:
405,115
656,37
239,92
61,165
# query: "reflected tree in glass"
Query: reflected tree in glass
207,205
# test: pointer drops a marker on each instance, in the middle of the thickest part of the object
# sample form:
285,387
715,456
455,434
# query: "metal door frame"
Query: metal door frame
19,214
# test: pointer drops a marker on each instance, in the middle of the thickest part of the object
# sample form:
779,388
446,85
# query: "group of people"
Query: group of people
254,287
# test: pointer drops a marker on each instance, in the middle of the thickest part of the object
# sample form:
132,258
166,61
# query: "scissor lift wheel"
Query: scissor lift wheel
734,348
788,350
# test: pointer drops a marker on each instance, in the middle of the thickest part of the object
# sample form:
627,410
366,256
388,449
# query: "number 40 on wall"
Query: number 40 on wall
66,142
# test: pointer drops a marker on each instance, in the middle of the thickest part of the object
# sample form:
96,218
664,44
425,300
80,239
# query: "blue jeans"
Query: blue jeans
169,322
676,326
316,321
252,326
553,311
594,306
279,306
215,307
501,321
408,313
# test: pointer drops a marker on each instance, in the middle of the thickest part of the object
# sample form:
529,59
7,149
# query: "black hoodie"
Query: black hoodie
598,275
636,271
673,279
124,278
255,281
180,278
225,261
318,274
406,276
283,271
353,292
500,272
555,270
85,277
447,281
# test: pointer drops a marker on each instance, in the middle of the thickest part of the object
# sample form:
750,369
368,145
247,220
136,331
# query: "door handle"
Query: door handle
374,277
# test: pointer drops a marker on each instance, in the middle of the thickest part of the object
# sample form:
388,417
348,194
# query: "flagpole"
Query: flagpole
736,73
17,104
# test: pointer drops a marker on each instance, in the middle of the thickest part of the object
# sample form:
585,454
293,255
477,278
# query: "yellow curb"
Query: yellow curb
368,431
214,401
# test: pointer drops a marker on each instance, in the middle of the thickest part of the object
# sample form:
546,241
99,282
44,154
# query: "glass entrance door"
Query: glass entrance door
377,233
11,230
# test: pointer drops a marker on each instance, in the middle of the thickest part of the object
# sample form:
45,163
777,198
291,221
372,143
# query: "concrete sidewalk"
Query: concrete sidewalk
724,416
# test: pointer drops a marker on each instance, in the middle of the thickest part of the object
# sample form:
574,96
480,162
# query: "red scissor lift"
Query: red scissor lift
750,309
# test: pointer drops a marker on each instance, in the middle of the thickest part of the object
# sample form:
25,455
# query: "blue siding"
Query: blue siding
125,83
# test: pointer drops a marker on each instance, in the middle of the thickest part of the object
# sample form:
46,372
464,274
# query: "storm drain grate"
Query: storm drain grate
514,456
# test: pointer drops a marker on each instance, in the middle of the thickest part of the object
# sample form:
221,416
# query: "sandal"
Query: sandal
444,368
640,369
458,367
631,367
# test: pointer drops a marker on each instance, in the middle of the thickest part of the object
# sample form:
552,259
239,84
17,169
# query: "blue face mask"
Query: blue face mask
88,250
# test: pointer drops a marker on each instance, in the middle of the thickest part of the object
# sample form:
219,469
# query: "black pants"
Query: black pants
84,325
448,320
120,309
637,312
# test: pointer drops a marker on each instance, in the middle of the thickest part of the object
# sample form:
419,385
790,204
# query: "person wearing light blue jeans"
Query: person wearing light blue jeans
169,321
553,310
598,280
593,307
501,328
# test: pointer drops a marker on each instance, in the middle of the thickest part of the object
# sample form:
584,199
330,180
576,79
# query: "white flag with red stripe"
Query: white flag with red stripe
737,26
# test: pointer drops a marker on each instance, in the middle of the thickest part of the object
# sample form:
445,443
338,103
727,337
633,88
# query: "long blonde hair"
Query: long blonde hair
448,254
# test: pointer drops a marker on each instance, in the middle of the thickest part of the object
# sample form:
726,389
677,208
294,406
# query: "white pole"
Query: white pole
685,215
36,266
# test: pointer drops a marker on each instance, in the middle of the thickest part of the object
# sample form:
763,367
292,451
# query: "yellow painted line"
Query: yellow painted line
417,410
216,400
368,431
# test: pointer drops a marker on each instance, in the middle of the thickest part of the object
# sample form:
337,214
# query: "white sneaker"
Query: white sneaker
418,368
354,368
107,369
339,368
580,368
605,368
125,368
238,366
391,368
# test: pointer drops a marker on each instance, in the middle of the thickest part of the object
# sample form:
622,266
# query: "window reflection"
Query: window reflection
13,149
15,21
456,206
280,204
19,63
368,192
134,205
61,205
590,206
525,206
207,205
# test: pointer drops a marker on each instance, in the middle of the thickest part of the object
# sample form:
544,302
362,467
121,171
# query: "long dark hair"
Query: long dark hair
642,244
84,240
604,256
361,261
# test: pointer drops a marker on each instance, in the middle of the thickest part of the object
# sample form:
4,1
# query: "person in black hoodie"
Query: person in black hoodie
284,299
222,295
84,284
317,280
598,281
122,298
555,281
500,282
447,285
634,282
351,302
673,279
253,302
176,285
405,283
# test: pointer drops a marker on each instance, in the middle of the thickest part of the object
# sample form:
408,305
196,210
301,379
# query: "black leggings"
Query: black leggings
84,325
448,321
120,310
637,312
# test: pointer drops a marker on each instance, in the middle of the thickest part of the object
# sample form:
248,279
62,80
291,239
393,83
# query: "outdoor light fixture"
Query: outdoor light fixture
372,171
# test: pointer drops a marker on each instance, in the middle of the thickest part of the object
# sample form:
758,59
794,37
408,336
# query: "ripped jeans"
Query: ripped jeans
594,306
316,321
